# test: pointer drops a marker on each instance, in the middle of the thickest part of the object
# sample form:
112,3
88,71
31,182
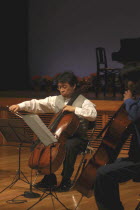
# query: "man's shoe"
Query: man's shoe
41,185
64,186
49,181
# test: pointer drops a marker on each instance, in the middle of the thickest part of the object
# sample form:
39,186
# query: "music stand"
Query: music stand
47,138
13,130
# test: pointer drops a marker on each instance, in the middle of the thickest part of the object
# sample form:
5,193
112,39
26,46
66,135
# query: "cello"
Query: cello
116,134
63,125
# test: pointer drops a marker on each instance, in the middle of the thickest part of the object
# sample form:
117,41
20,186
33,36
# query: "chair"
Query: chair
88,149
105,73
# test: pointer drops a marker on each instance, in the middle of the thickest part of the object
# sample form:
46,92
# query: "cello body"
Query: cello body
112,142
42,155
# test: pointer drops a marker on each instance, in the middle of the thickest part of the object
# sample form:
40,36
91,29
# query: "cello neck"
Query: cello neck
61,113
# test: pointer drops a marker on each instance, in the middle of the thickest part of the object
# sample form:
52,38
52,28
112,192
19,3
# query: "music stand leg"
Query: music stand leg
52,196
44,195
19,172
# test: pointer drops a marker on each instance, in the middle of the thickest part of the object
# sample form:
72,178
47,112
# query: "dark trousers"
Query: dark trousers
74,146
106,188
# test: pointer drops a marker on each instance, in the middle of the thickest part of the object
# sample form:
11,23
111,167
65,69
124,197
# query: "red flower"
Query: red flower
36,77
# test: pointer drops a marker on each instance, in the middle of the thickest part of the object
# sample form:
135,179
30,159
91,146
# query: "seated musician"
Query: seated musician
106,188
83,108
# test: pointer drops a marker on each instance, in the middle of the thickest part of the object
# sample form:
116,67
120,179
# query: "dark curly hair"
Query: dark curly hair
133,76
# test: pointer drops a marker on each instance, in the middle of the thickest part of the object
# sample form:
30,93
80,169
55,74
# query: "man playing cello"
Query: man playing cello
83,108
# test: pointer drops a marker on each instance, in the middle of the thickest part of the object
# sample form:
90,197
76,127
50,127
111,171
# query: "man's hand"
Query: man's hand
127,95
14,108
69,108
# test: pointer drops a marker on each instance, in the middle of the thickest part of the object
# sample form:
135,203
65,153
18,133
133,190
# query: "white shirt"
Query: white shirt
47,105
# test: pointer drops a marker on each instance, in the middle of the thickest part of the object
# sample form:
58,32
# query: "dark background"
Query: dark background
45,37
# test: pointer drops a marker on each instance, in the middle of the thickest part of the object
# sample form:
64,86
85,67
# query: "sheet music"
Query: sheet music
39,128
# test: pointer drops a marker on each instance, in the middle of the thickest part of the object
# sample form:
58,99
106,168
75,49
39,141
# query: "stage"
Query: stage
8,166
12,198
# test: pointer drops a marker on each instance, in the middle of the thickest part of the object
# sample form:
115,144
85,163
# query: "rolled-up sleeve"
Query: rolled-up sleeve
87,110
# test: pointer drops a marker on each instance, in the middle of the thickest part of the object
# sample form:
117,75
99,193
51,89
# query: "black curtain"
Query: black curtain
14,46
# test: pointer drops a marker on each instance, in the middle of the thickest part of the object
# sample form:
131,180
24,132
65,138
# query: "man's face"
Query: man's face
66,90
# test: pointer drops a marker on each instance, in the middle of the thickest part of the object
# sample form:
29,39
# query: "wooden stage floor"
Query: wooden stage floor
9,164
